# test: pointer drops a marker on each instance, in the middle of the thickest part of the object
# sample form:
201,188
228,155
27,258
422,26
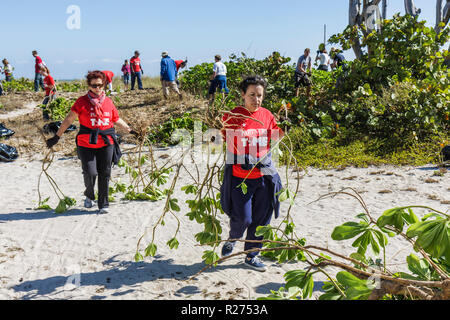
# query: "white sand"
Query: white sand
82,255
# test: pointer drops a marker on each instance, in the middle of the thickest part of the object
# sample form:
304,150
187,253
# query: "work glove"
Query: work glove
52,141
137,135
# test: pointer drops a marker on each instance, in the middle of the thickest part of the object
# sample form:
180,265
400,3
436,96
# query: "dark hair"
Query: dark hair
95,75
34,52
252,80
218,57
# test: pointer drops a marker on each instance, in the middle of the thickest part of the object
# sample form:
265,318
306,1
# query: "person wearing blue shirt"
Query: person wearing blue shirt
168,75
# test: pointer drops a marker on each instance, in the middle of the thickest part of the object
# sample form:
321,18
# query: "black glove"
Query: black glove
52,141
136,134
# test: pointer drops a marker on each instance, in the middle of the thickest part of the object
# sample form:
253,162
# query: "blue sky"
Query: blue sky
110,31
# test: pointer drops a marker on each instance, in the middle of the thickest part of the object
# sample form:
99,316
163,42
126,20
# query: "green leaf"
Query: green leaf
301,279
189,189
283,195
433,236
243,187
347,231
138,257
265,231
210,257
362,242
355,288
62,207
420,267
150,250
173,243
143,160
173,205
392,217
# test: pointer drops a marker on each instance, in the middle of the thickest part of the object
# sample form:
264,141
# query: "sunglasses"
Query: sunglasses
96,85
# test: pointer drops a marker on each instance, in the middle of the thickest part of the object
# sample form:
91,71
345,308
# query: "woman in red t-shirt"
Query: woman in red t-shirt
96,140
50,90
249,130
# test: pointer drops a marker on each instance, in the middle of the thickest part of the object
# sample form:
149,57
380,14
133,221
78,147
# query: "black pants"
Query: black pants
96,162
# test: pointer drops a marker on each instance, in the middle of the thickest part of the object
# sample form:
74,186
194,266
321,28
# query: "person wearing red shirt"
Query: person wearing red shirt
38,82
136,70
248,132
109,78
97,146
180,64
50,90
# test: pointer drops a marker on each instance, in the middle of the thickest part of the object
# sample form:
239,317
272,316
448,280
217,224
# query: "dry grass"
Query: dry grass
141,109
17,100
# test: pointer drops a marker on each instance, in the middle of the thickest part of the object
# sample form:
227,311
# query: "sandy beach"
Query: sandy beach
83,255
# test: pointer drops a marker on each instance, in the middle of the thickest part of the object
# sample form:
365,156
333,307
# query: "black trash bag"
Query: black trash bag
5,132
8,153
446,153
53,127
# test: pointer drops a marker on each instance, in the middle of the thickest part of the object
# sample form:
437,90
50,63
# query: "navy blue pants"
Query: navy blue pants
250,210
134,76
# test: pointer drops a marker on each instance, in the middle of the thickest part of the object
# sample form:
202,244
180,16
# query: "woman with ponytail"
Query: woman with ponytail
97,146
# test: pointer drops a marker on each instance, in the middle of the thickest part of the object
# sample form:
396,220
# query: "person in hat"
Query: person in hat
338,58
136,70
218,79
97,145
168,75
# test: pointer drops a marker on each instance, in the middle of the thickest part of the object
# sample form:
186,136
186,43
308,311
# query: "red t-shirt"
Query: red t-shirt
178,63
246,136
135,64
109,76
86,116
37,68
49,82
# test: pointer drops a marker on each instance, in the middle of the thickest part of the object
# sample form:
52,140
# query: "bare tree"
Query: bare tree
442,15
360,14
411,9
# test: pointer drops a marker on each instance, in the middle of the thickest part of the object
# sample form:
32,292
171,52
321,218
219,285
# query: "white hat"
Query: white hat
164,54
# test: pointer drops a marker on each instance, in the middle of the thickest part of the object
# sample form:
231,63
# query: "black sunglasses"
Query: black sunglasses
96,85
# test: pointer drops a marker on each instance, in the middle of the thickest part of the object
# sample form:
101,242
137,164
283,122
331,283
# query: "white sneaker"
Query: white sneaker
103,211
88,203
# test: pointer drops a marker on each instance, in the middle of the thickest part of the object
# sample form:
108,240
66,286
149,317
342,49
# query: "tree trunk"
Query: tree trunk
411,9
384,10
438,15
442,15
354,18
446,13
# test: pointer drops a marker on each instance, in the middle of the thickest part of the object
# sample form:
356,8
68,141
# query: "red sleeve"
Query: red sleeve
77,106
52,81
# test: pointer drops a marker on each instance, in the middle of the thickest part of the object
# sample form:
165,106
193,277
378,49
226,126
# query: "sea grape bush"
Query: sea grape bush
58,108
363,277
